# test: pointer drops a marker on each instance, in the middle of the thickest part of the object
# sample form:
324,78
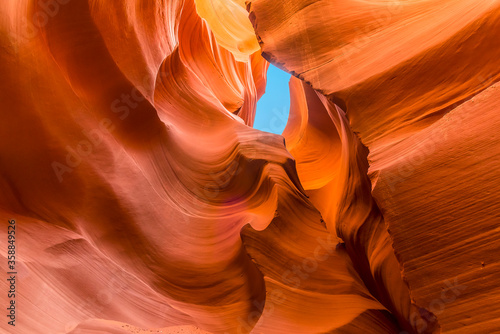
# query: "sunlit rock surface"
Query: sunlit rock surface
145,202
416,82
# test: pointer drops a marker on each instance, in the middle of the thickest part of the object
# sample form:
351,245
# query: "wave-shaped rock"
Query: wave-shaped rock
406,74
144,200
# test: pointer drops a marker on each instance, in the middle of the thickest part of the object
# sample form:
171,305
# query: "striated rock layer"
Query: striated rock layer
145,201
416,82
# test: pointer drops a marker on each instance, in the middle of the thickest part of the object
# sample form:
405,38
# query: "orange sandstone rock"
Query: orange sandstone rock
145,201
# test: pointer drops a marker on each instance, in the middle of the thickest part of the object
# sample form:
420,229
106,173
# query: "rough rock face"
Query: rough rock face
145,201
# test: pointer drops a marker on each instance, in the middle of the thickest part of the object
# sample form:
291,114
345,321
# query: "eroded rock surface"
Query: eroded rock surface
145,201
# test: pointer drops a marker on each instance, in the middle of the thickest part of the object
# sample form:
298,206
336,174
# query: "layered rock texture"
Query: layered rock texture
145,201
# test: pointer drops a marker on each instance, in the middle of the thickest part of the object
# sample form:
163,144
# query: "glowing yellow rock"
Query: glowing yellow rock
228,20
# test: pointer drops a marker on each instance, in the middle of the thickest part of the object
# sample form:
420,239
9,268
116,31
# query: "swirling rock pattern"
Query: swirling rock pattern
415,79
145,201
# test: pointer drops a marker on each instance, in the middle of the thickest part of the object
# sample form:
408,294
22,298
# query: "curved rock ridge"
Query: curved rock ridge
228,20
383,62
133,174
416,81
118,228
343,197
144,201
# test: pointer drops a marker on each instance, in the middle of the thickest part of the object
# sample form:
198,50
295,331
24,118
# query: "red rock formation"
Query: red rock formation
410,76
145,201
